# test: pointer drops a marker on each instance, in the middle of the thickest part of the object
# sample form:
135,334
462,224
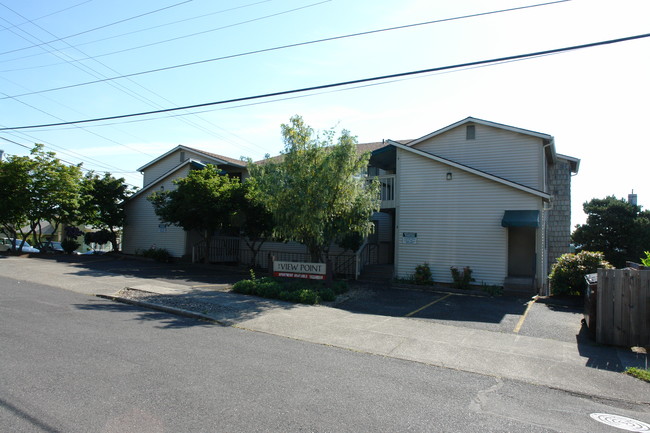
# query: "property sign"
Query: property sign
311,271
409,238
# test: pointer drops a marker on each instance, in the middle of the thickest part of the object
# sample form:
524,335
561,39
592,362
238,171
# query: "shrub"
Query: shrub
492,289
646,261
567,275
422,274
158,254
339,287
463,278
300,291
327,295
69,245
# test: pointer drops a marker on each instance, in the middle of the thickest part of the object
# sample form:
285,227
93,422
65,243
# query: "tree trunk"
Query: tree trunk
116,247
207,238
315,251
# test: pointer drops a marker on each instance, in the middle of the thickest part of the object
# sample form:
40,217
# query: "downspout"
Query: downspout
545,210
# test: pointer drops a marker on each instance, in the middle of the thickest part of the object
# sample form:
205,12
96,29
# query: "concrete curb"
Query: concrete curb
170,310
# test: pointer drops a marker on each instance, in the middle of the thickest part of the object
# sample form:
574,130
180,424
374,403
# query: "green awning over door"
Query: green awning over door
520,218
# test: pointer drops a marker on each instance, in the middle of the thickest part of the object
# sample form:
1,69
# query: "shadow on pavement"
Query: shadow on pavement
167,320
457,309
179,273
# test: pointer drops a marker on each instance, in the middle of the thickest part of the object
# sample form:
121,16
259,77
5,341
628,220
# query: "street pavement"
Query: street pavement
577,366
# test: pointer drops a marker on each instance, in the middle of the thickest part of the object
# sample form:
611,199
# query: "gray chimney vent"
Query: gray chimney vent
631,198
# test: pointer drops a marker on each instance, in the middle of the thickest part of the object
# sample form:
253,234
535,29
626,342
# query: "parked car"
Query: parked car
93,252
26,247
52,247
5,244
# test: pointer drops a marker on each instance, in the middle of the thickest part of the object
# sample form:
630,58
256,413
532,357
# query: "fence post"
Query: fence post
601,316
329,272
271,260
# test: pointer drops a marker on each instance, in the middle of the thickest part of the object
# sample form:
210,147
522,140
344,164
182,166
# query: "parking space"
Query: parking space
557,320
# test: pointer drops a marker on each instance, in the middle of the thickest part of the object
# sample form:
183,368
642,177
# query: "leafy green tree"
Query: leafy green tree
56,191
103,200
617,228
100,237
202,202
317,192
37,188
251,216
15,193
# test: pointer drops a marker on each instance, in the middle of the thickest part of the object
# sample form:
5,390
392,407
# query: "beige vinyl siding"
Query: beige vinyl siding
458,221
142,230
167,163
513,156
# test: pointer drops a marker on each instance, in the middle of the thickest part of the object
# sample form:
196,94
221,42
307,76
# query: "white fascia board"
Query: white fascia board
164,176
187,149
474,171
482,122
573,160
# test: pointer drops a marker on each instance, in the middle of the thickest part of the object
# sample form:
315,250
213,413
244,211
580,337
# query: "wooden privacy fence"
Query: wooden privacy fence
623,307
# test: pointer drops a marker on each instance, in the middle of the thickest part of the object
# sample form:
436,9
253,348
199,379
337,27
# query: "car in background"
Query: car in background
5,244
51,247
93,252
26,247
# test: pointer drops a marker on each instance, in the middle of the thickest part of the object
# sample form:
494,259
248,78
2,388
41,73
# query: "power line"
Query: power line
62,160
129,19
281,47
47,15
133,93
120,87
83,68
96,28
71,153
189,35
344,83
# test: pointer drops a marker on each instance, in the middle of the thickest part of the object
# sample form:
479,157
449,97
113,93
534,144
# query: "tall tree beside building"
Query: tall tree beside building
103,199
619,229
202,202
317,191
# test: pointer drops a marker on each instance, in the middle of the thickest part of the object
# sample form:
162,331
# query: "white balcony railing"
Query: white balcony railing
387,190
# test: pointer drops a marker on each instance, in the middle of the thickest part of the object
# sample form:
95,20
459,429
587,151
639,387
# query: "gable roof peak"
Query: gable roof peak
226,160
546,137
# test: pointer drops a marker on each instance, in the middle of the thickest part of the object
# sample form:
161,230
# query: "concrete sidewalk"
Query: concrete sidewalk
555,364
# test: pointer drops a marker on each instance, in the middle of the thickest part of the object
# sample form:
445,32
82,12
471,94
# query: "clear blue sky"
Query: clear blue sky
593,101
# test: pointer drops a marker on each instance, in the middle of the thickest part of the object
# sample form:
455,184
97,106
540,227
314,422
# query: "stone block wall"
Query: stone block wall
559,216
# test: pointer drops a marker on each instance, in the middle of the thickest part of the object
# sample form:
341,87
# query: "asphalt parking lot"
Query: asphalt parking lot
543,318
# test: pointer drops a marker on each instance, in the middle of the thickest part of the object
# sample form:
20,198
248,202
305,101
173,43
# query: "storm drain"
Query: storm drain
621,422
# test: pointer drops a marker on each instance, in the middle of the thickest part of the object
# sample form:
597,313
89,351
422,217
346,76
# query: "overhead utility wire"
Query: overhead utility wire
297,44
63,160
343,83
47,15
129,19
81,67
96,28
131,93
191,34
128,91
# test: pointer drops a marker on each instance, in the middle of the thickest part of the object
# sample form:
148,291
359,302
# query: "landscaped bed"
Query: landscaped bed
291,290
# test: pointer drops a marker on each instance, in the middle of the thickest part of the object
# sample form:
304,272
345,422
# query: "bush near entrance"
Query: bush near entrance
568,273
297,290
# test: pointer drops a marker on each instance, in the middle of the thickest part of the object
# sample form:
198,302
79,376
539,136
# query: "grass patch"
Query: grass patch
639,373
298,291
